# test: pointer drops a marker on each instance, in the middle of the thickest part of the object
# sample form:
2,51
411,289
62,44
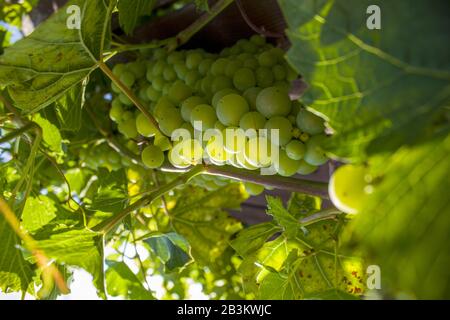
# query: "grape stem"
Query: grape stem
129,94
109,224
328,214
17,133
262,31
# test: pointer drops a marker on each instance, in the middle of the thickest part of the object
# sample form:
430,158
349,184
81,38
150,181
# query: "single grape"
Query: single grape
116,110
305,168
314,153
232,67
138,68
216,151
193,59
309,122
152,157
348,188
219,66
234,140
251,95
258,152
252,120
284,130
187,126
179,92
159,53
169,74
273,101
115,88
253,189
158,68
205,114
119,69
258,40
295,150
286,166
231,108
220,94
152,94
251,63
207,84
264,77
181,70
144,126
191,78
267,59
170,120
175,57
142,94
158,83
219,125
162,142
125,100
163,105
220,83
279,72
244,78
205,66
128,78
191,151
127,115
188,105
128,128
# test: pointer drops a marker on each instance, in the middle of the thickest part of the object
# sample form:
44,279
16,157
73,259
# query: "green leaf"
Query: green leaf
406,223
112,192
15,272
121,281
50,134
39,69
171,248
77,179
300,204
200,217
283,218
131,12
254,237
37,213
76,247
371,86
69,108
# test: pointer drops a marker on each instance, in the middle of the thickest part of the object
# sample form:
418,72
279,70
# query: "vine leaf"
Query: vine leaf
50,134
200,217
296,265
130,12
39,69
121,281
76,247
37,213
371,86
405,224
70,106
282,216
171,248
15,272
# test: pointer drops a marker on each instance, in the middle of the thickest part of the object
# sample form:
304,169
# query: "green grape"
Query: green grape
115,88
119,69
296,132
158,83
305,168
258,152
284,127
179,92
267,59
152,94
309,122
250,95
253,189
162,106
162,142
234,140
314,154
188,105
291,74
116,110
249,47
225,52
193,59
158,68
128,128
295,150
273,101
159,53
181,70
170,120
216,151
133,146
187,126
231,108
252,120
205,114
258,40
207,84
125,100
144,126
127,115
282,85
205,66
349,189
219,66
264,77
191,78
152,157
232,67
304,137
244,78
175,57
219,125
235,50
242,161
220,83
190,151
286,166
279,72
142,94
128,78
220,94
169,74
176,160
278,53
166,88
251,63
138,68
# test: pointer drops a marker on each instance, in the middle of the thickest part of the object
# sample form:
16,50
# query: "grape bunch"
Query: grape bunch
232,100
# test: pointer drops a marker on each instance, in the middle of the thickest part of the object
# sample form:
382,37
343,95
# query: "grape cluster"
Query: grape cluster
244,87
